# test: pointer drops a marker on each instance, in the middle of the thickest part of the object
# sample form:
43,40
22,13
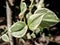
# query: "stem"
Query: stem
40,4
9,14
31,5
11,2
41,1
37,1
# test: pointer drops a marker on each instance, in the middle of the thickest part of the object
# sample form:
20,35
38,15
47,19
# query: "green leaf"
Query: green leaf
33,35
29,14
49,19
28,36
37,31
22,40
5,38
43,17
17,26
41,10
34,21
20,33
23,7
18,29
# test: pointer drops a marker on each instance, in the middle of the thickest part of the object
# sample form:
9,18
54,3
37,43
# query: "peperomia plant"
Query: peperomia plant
40,19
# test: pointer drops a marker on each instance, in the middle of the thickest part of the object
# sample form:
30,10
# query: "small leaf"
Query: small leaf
5,38
22,40
37,31
28,15
49,19
23,7
28,36
17,26
33,35
20,33
34,21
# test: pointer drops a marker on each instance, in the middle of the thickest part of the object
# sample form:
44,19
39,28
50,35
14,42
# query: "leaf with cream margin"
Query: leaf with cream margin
34,21
17,26
43,17
49,19
18,29
23,7
20,33
5,38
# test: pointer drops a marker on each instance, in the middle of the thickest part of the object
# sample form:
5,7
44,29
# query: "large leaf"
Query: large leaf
20,33
43,17
17,26
41,10
49,19
5,38
34,21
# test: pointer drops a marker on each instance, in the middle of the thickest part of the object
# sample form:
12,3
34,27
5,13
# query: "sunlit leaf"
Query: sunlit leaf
28,36
20,33
49,19
34,21
5,38
17,26
33,35
43,17
28,15
23,7
22,40
18,29
37,31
